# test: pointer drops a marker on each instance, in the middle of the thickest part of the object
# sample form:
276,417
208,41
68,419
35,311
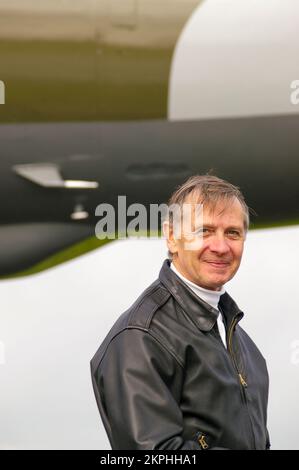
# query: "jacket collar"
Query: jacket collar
202,313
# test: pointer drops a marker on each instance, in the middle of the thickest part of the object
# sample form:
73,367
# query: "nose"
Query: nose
218,244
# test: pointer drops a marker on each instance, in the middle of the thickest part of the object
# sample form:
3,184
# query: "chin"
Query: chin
219,283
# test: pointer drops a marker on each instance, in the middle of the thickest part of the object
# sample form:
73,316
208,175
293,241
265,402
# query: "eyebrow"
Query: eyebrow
231,227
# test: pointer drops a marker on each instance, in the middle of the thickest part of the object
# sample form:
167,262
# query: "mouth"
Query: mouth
218,264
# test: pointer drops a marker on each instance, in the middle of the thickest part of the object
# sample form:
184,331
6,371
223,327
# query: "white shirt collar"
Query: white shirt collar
212,297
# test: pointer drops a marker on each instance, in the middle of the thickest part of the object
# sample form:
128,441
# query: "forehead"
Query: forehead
223,212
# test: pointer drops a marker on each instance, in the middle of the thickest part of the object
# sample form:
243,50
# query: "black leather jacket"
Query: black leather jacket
163,378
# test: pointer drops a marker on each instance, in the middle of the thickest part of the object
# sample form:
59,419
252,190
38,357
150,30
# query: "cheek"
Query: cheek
237,253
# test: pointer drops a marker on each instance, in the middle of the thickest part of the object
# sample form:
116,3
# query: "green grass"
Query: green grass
273,224
60,257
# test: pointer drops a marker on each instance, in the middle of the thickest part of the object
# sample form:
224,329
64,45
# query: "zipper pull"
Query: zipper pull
243,383
202,441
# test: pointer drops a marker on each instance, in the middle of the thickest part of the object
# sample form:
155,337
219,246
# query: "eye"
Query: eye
203,231
234,233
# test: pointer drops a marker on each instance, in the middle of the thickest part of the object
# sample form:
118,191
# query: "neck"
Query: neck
210,296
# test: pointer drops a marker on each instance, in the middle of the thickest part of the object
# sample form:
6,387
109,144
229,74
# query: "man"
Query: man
177,371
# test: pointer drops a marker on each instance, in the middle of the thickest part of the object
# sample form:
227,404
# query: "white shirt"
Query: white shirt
212,297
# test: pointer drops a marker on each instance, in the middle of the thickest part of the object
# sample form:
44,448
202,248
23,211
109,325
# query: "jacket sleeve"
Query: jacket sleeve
137,385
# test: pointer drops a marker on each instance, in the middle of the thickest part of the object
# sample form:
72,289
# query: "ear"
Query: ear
172,243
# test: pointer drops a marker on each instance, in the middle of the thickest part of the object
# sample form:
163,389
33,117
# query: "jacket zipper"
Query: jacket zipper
202,441
242,381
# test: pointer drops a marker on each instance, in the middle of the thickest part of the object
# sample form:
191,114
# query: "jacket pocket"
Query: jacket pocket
206,442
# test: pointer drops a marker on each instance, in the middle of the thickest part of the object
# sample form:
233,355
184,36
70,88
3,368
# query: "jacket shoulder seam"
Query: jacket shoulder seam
156,298
155,336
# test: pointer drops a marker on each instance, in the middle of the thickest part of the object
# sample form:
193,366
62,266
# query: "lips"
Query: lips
219,264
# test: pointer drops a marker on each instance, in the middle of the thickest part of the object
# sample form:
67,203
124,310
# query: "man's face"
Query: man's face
220,242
